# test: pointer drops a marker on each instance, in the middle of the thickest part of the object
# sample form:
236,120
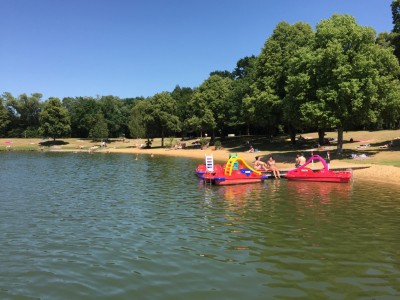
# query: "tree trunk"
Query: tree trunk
340,140
292,133
321,135
148,143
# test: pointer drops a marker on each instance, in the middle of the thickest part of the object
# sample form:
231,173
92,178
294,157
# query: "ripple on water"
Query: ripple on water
110,226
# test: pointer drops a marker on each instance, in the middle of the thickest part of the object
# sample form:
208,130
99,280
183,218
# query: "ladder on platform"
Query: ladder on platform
209,163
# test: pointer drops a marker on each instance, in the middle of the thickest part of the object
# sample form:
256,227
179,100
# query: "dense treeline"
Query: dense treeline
340,76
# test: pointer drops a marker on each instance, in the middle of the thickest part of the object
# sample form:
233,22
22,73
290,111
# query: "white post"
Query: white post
312,161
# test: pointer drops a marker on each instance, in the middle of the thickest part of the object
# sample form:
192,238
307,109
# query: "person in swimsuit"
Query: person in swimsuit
259,165
272,166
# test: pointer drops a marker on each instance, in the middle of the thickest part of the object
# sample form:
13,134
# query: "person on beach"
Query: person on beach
259,165
272,166
251,150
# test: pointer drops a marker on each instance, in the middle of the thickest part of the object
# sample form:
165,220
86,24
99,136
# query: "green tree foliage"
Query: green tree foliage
182,97
24,113
387,108
155,117
210,104
392,39
126,110
395,36
264,105
163,115
112,110
299,91
244,75
54,119
99,129
342,81
396,15
223,74
351,69
137,125
83,112
4,117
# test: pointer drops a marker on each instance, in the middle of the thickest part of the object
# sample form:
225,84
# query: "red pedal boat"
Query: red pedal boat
236,171
325,175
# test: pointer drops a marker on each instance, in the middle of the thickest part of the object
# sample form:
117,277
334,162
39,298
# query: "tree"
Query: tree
54,119
345,80
24,113
137,126
111,108
244,76
395,36
392,39
244,67
210,104
299,91
264,104
223,74
155,117
126,111
163,115
4,118
83,112
388,88
100,128
182,97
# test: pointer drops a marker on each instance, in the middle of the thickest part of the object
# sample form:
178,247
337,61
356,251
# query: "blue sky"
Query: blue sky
69,48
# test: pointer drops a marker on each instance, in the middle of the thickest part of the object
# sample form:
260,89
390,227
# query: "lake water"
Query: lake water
107,226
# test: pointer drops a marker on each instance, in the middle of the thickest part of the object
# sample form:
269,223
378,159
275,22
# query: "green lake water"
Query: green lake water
107,226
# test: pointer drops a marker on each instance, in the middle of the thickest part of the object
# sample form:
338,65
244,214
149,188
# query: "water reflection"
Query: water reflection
322,192
236,198
241,193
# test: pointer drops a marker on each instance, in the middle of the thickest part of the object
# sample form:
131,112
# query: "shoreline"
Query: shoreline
369,172
372,172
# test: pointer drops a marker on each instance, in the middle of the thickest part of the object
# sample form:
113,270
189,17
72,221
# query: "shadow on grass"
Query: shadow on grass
387,145
53,143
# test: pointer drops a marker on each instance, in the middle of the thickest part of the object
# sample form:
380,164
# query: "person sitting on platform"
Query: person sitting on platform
272,166
259,165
